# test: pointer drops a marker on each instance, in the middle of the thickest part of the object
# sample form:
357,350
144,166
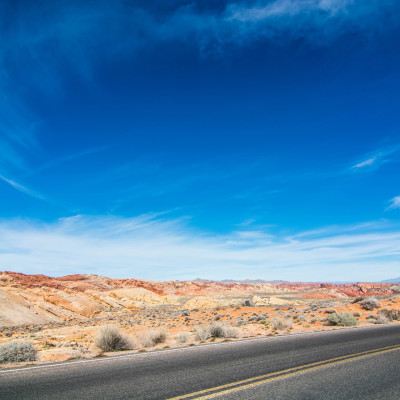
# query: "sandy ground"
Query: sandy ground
76,339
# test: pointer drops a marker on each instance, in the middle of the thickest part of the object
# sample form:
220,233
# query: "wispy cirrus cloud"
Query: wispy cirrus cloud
264,10
394,203
51,37
21,188
56,39
155,247
376,159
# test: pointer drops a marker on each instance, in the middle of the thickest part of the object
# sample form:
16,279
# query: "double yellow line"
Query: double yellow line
262,379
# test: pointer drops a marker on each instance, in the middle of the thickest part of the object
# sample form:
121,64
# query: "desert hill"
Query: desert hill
28,299
39,299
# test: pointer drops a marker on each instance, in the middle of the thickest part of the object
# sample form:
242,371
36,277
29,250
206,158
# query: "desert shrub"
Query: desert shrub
370,304
231,332
342,319
216,330
17,352
391,315
301,318
279,324
358,299
203,333
182,337
153,337
109,338
381,320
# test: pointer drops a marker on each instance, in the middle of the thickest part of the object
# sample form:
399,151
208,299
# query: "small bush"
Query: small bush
357,299
370,304
343,319
280,324
216,330
301,318
17,352
109,338
203,333
391,315
381,320
182,337
153,337
231,332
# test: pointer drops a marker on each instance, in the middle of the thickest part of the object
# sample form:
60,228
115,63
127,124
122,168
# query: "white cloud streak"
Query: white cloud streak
79,36
264,10
21,188
376,159
395,202
153,247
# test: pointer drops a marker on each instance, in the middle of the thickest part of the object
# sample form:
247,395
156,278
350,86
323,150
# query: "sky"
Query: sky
183,139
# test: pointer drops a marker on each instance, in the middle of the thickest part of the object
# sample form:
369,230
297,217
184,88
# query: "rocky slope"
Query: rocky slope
28,299
39,299
339,290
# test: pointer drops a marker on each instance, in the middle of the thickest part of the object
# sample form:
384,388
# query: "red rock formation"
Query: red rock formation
348,289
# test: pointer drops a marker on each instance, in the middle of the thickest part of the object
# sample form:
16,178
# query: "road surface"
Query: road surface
361,363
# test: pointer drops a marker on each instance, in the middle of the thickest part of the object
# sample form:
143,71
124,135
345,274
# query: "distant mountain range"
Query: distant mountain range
244,281
394,280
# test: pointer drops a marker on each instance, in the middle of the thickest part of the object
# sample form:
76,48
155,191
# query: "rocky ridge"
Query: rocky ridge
39,299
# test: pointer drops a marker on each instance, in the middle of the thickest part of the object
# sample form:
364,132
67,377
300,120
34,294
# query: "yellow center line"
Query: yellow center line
261,379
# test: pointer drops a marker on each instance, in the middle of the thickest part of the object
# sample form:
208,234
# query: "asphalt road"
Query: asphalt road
360,363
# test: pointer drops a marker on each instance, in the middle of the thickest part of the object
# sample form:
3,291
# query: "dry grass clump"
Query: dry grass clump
381,319
370,304
153,337
391,315
219,330
182,337
385,316
342,319
109,338
203,333
17,352
280,324
216,330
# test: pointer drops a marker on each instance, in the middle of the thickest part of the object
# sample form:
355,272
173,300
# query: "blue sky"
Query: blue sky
183,139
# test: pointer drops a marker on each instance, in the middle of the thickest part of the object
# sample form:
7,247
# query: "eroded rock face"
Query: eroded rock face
329,290
26,299
270,300
42,299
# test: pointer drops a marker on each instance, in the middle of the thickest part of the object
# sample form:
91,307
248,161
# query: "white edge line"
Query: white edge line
156,352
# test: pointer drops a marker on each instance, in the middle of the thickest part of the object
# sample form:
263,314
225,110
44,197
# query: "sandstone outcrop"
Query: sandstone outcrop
37,299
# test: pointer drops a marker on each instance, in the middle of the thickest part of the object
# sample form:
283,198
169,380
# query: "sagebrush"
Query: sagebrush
153,337
17,352
216,330
342,319
391,315
109,338
370,304
280,324
182,337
